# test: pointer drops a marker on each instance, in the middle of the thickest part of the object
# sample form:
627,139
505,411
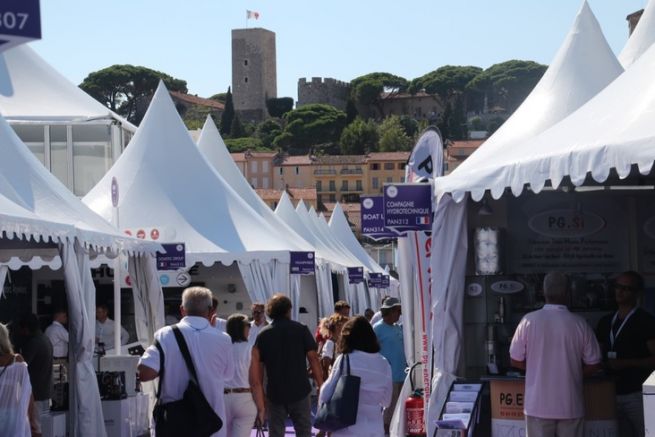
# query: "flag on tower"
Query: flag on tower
252,14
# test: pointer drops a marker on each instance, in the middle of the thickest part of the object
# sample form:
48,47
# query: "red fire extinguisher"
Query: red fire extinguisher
415,410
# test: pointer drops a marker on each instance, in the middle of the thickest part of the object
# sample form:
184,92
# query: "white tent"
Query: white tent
41,219
167,184
642,37
32,90
565,148
600,134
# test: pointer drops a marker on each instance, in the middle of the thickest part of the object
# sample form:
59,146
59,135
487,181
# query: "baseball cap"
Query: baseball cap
391,302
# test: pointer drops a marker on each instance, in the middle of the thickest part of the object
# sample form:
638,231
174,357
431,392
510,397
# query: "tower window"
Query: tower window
245,62
245,79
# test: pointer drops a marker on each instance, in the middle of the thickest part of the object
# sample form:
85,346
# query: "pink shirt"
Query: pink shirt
554,343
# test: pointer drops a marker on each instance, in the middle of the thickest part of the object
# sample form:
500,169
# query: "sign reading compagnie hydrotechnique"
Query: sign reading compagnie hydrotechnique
408,207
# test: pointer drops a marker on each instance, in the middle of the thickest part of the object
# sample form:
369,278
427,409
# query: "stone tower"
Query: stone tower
254,72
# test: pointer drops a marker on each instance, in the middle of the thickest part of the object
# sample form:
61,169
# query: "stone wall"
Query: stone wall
323,90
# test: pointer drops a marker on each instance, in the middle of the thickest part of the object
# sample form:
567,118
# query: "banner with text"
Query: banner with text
375,280
20,22
408,207
355,275
174,258
372,216
302,263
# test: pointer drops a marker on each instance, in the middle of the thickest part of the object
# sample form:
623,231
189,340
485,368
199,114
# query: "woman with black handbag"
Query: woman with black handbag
359,348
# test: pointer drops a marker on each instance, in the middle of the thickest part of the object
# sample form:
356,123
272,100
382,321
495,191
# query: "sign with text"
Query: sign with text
375,280
408,207
386,281
174,258
355,275
570,232
20,22
372,215
301,263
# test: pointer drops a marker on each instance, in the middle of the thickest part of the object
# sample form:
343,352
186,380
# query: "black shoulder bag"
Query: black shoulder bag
190,416
341,410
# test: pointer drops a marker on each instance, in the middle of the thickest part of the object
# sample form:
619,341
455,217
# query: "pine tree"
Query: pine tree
236,129
228,115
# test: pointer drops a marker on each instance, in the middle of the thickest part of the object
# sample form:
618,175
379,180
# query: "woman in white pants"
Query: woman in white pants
240,409
360,343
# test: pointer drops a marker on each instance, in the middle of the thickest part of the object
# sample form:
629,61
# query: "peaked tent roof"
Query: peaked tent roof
31,89
642,37
167,184
215,151
288,215
613,130
341,229
583,66
27,183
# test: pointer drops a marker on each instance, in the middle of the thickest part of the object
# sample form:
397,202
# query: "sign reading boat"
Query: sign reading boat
566,223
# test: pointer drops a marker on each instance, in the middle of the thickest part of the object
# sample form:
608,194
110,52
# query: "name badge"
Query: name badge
611,355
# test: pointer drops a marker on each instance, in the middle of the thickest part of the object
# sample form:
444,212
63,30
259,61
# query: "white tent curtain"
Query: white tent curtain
148,297
406,262
3,276
324,289
264,279
448,277
85,409
363,298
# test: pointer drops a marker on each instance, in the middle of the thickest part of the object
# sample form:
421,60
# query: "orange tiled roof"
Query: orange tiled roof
467,144
340,159
238,157
195,100
294,193
388,156
297,160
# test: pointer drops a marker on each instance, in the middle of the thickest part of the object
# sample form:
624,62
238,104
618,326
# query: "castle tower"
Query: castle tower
254,72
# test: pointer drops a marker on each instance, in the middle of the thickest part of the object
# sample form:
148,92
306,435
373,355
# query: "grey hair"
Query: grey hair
556,286
5,343
197,301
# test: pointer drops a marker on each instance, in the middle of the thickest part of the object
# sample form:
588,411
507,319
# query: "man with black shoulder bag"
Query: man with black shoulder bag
192,361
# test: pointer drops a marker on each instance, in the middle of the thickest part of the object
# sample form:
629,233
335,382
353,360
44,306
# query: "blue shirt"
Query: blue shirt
392,347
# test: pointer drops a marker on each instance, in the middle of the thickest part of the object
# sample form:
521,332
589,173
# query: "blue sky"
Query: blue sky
190,39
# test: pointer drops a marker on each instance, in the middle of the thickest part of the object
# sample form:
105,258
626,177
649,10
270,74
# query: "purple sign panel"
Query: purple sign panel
355,275
372,215
20,22
408,207
302,263
375,280
174,258
386,281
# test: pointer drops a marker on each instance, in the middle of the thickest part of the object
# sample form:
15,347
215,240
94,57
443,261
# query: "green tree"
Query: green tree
367,90
410,125
235,145
351,111
392,136
494,124
450,81
310,125
279,106
507,84
237,129
477,124
359,138
267,131
444,121
220,97
125,88
228,114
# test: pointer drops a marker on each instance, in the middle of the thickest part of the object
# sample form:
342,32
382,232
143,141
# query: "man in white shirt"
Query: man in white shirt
216,322
258,321
211,353
105,328
58,334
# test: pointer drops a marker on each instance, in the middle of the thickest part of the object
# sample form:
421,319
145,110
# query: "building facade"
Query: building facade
384,168
457,151
340,178
256,167
254,72
293,172
272,197
420,106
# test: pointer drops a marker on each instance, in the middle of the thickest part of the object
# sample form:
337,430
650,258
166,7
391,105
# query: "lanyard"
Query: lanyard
614,319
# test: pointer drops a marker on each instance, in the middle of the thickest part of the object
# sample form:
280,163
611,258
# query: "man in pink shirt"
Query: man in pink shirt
556,348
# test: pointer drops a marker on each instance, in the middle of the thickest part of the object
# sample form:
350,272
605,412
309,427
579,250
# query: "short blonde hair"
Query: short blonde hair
5,342
197,301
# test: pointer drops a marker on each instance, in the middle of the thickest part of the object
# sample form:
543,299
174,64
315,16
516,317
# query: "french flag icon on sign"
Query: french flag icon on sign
425,220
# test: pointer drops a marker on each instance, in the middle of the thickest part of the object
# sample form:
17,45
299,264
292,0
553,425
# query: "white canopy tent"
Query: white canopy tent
41,219
641,39
167,184
34,91
590,133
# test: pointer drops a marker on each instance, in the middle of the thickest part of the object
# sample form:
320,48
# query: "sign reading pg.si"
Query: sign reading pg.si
566,223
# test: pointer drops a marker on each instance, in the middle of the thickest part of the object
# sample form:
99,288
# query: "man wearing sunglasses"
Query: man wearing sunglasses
628,341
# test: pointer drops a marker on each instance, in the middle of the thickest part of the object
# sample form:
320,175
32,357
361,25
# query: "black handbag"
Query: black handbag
341,410
190,416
